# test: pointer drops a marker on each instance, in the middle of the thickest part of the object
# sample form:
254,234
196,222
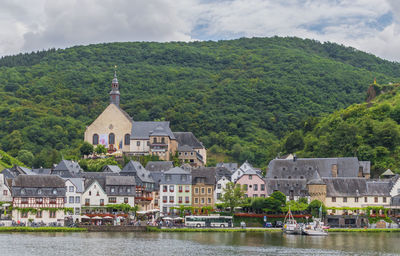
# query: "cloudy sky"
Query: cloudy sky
368,25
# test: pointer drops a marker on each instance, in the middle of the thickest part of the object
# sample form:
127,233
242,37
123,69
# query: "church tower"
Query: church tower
114,94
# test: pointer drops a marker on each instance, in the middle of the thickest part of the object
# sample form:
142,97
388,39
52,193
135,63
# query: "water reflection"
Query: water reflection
197,244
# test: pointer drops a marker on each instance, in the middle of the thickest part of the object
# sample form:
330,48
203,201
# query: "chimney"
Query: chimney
294,158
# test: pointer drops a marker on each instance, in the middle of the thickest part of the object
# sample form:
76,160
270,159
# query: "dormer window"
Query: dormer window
289,177
23,192
39,191
283,169
54,191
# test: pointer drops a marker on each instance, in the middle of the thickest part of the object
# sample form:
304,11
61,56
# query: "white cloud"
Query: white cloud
27,25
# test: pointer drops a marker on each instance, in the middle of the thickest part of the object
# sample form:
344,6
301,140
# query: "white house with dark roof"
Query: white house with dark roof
246,166
74,188
111,169
222,178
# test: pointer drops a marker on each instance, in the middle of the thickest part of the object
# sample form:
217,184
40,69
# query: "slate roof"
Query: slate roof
111,168
120,181
188,139
230,166
316,180
177,176
298,186
135,168
69,165
41,171
204,174
185,148
142,130
352,187
78,183
222,172
305,167
395,200
388,172
38,181
158,166
379,187
157,176
366,165
100,180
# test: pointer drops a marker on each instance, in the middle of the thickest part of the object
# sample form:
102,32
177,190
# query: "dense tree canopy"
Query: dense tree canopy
239,96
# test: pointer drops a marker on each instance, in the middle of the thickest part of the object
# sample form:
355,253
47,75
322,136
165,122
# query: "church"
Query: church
120,134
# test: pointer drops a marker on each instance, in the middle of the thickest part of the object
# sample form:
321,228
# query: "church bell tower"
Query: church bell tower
114,94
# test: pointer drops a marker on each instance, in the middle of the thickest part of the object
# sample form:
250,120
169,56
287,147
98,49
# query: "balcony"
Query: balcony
159,147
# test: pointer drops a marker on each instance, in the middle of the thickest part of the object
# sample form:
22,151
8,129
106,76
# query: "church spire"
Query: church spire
114,94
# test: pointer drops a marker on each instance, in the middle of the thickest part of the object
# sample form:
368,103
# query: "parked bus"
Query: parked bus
208,221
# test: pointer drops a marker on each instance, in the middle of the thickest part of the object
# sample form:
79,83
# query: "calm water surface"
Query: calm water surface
95,244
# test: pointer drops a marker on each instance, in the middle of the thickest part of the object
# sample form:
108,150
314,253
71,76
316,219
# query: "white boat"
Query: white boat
290,225
315,228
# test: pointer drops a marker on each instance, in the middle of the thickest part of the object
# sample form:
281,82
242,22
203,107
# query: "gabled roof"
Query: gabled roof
305,167
135,168
100,181
388,172
177,170
158,166
316,180
111,168
38,181
206,174
143,130
188,139
222,172
78,183
68,165
185,148
176,175
230,166
298,186
41,171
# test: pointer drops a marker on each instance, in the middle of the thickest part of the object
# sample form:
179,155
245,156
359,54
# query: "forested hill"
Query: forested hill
238,96
370,131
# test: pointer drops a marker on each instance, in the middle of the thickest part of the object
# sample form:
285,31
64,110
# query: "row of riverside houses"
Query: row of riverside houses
337,182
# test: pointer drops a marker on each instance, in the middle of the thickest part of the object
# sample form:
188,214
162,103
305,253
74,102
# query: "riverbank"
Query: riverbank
156,229
41,229
373,230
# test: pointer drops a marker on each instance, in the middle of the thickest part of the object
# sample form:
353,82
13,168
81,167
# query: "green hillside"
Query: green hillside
238,96
370,131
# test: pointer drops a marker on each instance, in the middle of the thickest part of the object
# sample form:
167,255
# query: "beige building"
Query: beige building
116,130
203,185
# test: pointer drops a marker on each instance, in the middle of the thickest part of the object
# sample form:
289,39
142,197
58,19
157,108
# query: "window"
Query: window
165,188
196,200
202,200
171,199
209,191
165,209
77,211
39,214
356,199
376,199
148,143
78,199
219,186
262,195
187,188
208,200
186,199
5,192
163,140
71,199
101,202
344,199
384,199
155,140
22,191
255,187
127,139
112,190
95,140
180,188
90,193
262,187
196,190
180,199
155,202
112,199
53,200
333,199
138,143
71,188
24,215
52,214
87,201
255,195
97,194
111,138
168,177
250,177
218,195
245,187
171,188
164,198
54,191
366,199
183,177
126,200
128,190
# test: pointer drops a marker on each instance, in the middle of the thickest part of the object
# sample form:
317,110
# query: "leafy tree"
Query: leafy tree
100,149
280,197
233,196
272,205
294,142
86,148
314,208
26,157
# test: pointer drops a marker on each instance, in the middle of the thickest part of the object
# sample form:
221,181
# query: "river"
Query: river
95,244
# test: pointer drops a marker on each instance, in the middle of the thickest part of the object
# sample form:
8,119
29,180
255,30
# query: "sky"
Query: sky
29,25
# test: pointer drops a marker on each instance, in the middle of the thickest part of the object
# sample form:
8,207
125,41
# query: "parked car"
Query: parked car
268,225
278,224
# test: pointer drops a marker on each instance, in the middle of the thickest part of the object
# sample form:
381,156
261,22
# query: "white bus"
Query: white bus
209,221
